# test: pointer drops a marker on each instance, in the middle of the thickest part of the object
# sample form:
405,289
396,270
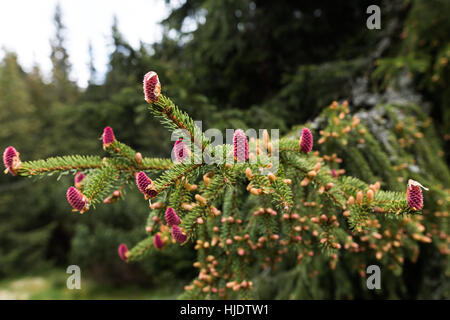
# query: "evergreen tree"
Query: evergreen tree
244,214
65,89
16,108
245,64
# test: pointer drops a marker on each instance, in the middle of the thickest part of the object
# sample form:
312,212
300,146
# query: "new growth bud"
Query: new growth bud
138,157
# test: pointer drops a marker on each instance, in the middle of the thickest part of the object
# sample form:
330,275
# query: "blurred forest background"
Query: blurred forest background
260,64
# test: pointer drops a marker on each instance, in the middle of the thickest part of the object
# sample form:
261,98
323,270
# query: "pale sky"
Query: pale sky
26,27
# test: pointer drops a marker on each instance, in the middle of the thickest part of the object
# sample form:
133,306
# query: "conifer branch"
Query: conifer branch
173,118
59,164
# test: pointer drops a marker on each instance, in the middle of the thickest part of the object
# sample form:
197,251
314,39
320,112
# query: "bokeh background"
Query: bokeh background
69,69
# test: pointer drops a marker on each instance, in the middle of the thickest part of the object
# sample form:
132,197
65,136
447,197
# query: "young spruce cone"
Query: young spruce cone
172,218
178,235
145,185
11,160
240,144
152,87
414,195
77,200
306,140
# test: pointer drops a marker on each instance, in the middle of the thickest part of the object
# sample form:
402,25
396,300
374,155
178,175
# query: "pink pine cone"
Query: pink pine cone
123,252
144,185
172,218
180,151
108,136
76,199
240,145
152,87
306,140
157,241
8,156
11,160
415,197
178,235
334,173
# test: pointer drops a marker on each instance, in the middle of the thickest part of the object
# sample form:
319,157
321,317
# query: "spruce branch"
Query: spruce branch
155,164
100,182
173,118
141,250
307,206
60,164
123,151
171,176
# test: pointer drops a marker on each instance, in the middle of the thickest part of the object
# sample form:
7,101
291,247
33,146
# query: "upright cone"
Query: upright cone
11,160
152,87
240,145
306,140
414,194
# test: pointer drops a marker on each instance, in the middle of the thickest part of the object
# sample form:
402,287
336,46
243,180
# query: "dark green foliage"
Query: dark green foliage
260,64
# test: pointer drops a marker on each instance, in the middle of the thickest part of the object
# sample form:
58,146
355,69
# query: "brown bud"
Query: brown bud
346,129
187,206
272,177
255,191
265,137
248,173
138,157
329,185
200,199
206,179
312,174
359,197
317,166
156,205
377,186
305,182
370,194
351,200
